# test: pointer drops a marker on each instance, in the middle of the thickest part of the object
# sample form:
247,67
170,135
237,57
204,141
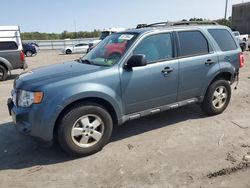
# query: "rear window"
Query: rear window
224,39
8,45
192,43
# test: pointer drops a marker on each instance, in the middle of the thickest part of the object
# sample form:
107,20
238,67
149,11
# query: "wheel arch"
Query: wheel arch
223,75
100,101
227,75
6,64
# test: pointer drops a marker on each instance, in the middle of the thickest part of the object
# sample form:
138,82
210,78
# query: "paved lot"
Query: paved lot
178,148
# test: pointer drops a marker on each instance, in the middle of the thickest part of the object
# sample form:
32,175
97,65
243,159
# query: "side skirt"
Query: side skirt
159,109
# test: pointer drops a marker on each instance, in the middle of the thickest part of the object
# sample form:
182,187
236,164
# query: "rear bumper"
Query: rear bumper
25,65
21,65
235,77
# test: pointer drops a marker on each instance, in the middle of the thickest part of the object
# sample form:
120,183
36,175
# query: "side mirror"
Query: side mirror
136,61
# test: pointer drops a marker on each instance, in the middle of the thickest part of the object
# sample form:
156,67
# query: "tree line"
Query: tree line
57,36
95,33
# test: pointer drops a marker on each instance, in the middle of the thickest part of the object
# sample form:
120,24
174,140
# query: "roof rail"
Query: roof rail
158,24
167,24
194,23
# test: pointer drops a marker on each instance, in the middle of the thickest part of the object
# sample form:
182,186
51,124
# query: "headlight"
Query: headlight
27,98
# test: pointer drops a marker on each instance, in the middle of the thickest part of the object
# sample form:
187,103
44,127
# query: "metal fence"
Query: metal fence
58,44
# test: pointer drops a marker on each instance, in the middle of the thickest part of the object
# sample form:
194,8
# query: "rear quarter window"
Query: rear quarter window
224,39
8,45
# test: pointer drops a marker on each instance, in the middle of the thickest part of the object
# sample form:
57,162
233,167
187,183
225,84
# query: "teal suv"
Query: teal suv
128,75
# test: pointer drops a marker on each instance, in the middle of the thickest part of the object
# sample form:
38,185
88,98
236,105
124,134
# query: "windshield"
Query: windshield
111,49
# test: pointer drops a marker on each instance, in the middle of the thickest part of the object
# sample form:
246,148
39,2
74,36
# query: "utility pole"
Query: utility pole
226,10
75,29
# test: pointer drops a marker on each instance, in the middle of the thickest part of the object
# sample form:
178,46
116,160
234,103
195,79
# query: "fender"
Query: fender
6,63
222,67
71,94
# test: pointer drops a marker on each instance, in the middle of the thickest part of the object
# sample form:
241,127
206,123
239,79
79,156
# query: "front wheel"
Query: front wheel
85,129
217,97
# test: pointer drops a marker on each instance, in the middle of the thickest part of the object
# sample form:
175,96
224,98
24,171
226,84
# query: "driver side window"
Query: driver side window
156,47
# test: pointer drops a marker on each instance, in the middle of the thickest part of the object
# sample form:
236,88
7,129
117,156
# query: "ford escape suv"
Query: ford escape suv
151,69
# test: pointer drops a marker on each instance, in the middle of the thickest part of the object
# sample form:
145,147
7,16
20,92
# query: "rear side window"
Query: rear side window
8,46
192,43
156,47
224,39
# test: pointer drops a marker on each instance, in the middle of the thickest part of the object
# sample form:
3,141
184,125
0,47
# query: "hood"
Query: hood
53,73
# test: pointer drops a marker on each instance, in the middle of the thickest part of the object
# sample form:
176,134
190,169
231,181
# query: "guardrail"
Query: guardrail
58,44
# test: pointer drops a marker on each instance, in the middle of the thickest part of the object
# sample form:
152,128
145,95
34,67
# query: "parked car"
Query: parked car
103,35
11,54
35,45
159,68
241,37
29,49
78,48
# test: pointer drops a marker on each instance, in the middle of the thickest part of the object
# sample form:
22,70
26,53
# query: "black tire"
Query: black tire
68,122
3,73
28,53
243,48
68,51
207,105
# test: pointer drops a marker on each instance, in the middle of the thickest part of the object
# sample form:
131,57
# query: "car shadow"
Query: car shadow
18,151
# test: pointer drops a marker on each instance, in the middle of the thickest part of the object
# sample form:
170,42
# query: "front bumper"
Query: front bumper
19,118
30,121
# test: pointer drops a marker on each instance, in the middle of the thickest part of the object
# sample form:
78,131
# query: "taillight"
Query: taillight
241,59
22,57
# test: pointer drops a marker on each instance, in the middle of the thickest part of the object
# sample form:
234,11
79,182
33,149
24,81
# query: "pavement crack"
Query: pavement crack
227,171
239,125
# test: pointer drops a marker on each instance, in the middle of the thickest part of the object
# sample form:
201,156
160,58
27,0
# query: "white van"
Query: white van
11,54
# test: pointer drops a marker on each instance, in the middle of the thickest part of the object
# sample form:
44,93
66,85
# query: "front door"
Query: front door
156,83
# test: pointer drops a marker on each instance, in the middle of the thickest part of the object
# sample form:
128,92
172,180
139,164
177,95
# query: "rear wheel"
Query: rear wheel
28,53
217,97
3,73
68,51
85,129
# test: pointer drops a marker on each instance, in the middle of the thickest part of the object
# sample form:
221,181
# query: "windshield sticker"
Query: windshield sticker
126,37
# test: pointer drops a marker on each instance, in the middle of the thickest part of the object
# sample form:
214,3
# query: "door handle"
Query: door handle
209,62
167,70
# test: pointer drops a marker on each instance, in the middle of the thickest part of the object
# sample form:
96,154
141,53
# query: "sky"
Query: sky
87,15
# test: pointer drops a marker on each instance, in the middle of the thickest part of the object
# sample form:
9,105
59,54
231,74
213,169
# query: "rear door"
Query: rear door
197,59
82,48
156,83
